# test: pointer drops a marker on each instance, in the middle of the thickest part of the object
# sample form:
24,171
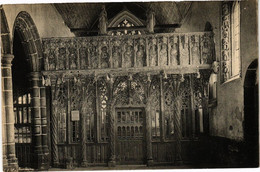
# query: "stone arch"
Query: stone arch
28,32
5,34
25,29
8,151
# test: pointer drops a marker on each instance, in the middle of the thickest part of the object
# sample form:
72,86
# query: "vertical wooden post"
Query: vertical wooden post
192,105
177,105
54,127
162,128
8,115
83,141
112,99
149,154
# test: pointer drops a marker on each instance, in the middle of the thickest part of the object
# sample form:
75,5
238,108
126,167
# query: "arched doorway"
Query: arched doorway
22,103
29,95
251,133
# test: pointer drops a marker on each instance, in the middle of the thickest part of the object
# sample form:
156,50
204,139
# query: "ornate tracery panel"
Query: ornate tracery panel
186,115
89,109
103,109
168,108
155,107
75,95
60,109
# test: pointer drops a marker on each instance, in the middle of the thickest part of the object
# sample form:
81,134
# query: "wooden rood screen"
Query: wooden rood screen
95,81
130,136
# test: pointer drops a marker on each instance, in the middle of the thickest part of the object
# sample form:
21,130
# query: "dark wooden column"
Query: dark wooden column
112,100
54,127
149,155
83,141
8,115
177,106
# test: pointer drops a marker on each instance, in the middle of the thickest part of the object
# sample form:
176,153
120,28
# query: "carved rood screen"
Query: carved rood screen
129,51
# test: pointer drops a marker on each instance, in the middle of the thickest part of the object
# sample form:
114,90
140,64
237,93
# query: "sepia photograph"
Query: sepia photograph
136,85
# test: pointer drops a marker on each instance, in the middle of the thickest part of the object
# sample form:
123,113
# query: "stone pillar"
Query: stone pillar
8,115
5,163
44,126
177,106
37,150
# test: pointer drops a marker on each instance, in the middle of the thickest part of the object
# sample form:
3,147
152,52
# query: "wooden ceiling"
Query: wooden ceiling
85,15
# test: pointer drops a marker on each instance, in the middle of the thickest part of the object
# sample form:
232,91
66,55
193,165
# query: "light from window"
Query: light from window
235,65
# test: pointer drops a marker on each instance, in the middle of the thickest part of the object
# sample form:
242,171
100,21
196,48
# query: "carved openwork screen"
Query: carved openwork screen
103,109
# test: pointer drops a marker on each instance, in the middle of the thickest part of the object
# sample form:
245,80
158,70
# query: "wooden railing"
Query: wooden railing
166,50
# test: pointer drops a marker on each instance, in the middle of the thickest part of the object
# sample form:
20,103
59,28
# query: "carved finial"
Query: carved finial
198,73
182,78
148,77
43,81
103,21
165,75
130,77
150,21
215,67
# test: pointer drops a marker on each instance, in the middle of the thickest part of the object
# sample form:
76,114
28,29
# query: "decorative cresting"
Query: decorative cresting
171,51
226,40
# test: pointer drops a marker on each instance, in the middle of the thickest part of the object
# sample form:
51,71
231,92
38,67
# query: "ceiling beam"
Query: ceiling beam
157,27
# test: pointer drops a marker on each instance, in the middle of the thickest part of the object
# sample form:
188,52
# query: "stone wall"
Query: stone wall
226,120
48,21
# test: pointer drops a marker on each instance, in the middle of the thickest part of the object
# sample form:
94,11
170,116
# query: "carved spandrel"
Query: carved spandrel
137,92
120,91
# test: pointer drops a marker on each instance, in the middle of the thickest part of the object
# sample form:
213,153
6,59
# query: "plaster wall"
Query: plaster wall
48,21
226,120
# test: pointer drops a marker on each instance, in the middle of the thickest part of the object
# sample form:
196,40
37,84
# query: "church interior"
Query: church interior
129,83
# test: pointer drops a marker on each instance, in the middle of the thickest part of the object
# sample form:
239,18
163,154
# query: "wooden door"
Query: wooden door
130,135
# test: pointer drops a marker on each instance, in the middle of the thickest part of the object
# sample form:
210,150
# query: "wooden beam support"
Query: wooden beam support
157,27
